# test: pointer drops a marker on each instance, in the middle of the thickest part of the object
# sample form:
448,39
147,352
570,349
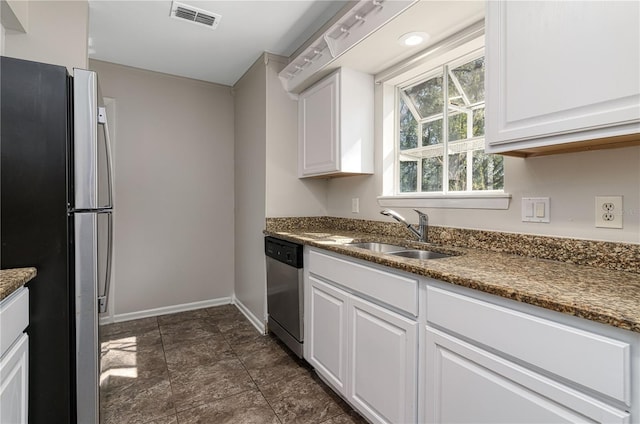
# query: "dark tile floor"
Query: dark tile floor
208,366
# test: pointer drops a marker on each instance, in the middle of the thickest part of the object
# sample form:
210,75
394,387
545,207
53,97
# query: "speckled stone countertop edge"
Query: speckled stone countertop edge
594,305
12,279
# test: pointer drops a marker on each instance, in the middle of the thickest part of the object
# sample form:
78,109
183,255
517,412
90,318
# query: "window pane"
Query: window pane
455,97
458,172
457,126
408,177
432,174
478,122
488,171
408,128
432,133
471,79
427,97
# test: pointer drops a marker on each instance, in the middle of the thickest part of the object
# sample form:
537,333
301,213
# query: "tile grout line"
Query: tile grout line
166,365
252,379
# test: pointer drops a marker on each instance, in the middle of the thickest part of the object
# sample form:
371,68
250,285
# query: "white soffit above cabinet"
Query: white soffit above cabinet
365,38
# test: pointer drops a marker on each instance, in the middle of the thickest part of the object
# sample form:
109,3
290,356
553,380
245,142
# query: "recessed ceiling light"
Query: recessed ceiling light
413,38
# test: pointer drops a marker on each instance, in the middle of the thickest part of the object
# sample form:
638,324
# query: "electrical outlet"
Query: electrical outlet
608,211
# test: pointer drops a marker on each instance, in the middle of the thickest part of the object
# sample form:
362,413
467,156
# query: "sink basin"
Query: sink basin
419,254
378,247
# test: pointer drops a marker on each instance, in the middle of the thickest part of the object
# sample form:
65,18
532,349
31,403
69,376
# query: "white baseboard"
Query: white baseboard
167,310
257,322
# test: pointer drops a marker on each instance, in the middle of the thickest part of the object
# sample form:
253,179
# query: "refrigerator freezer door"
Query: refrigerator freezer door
92,268
91,147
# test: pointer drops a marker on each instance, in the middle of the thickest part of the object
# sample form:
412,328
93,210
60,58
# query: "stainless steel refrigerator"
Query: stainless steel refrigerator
56,214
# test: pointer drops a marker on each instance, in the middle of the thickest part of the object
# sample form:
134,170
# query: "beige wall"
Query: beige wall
250,148
266,181
57,33
14,15
173,189
286,194
571,181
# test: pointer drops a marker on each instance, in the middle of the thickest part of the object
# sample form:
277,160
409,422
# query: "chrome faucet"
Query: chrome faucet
423,223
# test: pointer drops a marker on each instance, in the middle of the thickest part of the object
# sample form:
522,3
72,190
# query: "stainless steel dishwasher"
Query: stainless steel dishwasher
285,299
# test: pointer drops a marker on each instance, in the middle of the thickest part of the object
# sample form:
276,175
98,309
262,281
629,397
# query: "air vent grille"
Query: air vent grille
195,15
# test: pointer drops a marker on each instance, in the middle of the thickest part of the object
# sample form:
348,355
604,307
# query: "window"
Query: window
440,132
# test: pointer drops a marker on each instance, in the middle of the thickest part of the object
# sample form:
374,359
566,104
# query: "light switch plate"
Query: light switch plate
355,205
535,209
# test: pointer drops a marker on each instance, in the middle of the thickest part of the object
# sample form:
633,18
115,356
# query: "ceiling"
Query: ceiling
141,34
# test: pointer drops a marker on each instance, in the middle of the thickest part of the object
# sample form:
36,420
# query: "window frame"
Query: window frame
430,62
439,71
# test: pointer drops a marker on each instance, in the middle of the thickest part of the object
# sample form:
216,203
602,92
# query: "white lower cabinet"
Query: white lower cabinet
466,384
383,378
14,358
14,367
365,351
326,332
405,350
489,363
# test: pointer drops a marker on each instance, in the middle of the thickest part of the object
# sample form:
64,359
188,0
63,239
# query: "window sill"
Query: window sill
451,201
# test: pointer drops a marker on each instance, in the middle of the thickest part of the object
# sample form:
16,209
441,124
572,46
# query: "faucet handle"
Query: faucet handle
420,213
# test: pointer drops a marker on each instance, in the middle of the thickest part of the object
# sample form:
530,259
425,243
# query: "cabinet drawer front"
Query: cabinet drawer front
14,317
567,352
395,290
495,390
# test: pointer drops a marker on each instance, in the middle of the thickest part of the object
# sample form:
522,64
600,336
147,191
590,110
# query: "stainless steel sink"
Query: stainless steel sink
395,250
419,254
378,247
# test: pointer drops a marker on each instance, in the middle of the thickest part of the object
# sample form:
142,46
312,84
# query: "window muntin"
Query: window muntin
423,113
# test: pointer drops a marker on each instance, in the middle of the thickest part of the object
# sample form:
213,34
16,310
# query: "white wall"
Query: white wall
570,180
173,189
56,32
250,148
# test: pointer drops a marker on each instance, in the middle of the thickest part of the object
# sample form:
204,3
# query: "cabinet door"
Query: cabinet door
14,392
560,72
466,384
318,127
383,363
326,332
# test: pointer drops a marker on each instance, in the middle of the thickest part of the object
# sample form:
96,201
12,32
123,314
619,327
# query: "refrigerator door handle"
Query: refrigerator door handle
102,120
103,298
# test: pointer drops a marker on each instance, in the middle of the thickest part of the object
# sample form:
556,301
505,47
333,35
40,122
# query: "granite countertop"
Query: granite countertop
12,279
603,295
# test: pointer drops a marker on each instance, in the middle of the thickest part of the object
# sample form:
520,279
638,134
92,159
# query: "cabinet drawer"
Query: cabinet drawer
14,317
398,291
593,361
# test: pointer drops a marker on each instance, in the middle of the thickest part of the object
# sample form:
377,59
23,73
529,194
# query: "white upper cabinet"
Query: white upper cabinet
335,126
562,75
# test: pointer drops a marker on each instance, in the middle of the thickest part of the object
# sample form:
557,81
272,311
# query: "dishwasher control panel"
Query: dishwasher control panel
283,251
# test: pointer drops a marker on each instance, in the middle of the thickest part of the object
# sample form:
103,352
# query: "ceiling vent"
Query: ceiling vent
195,15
